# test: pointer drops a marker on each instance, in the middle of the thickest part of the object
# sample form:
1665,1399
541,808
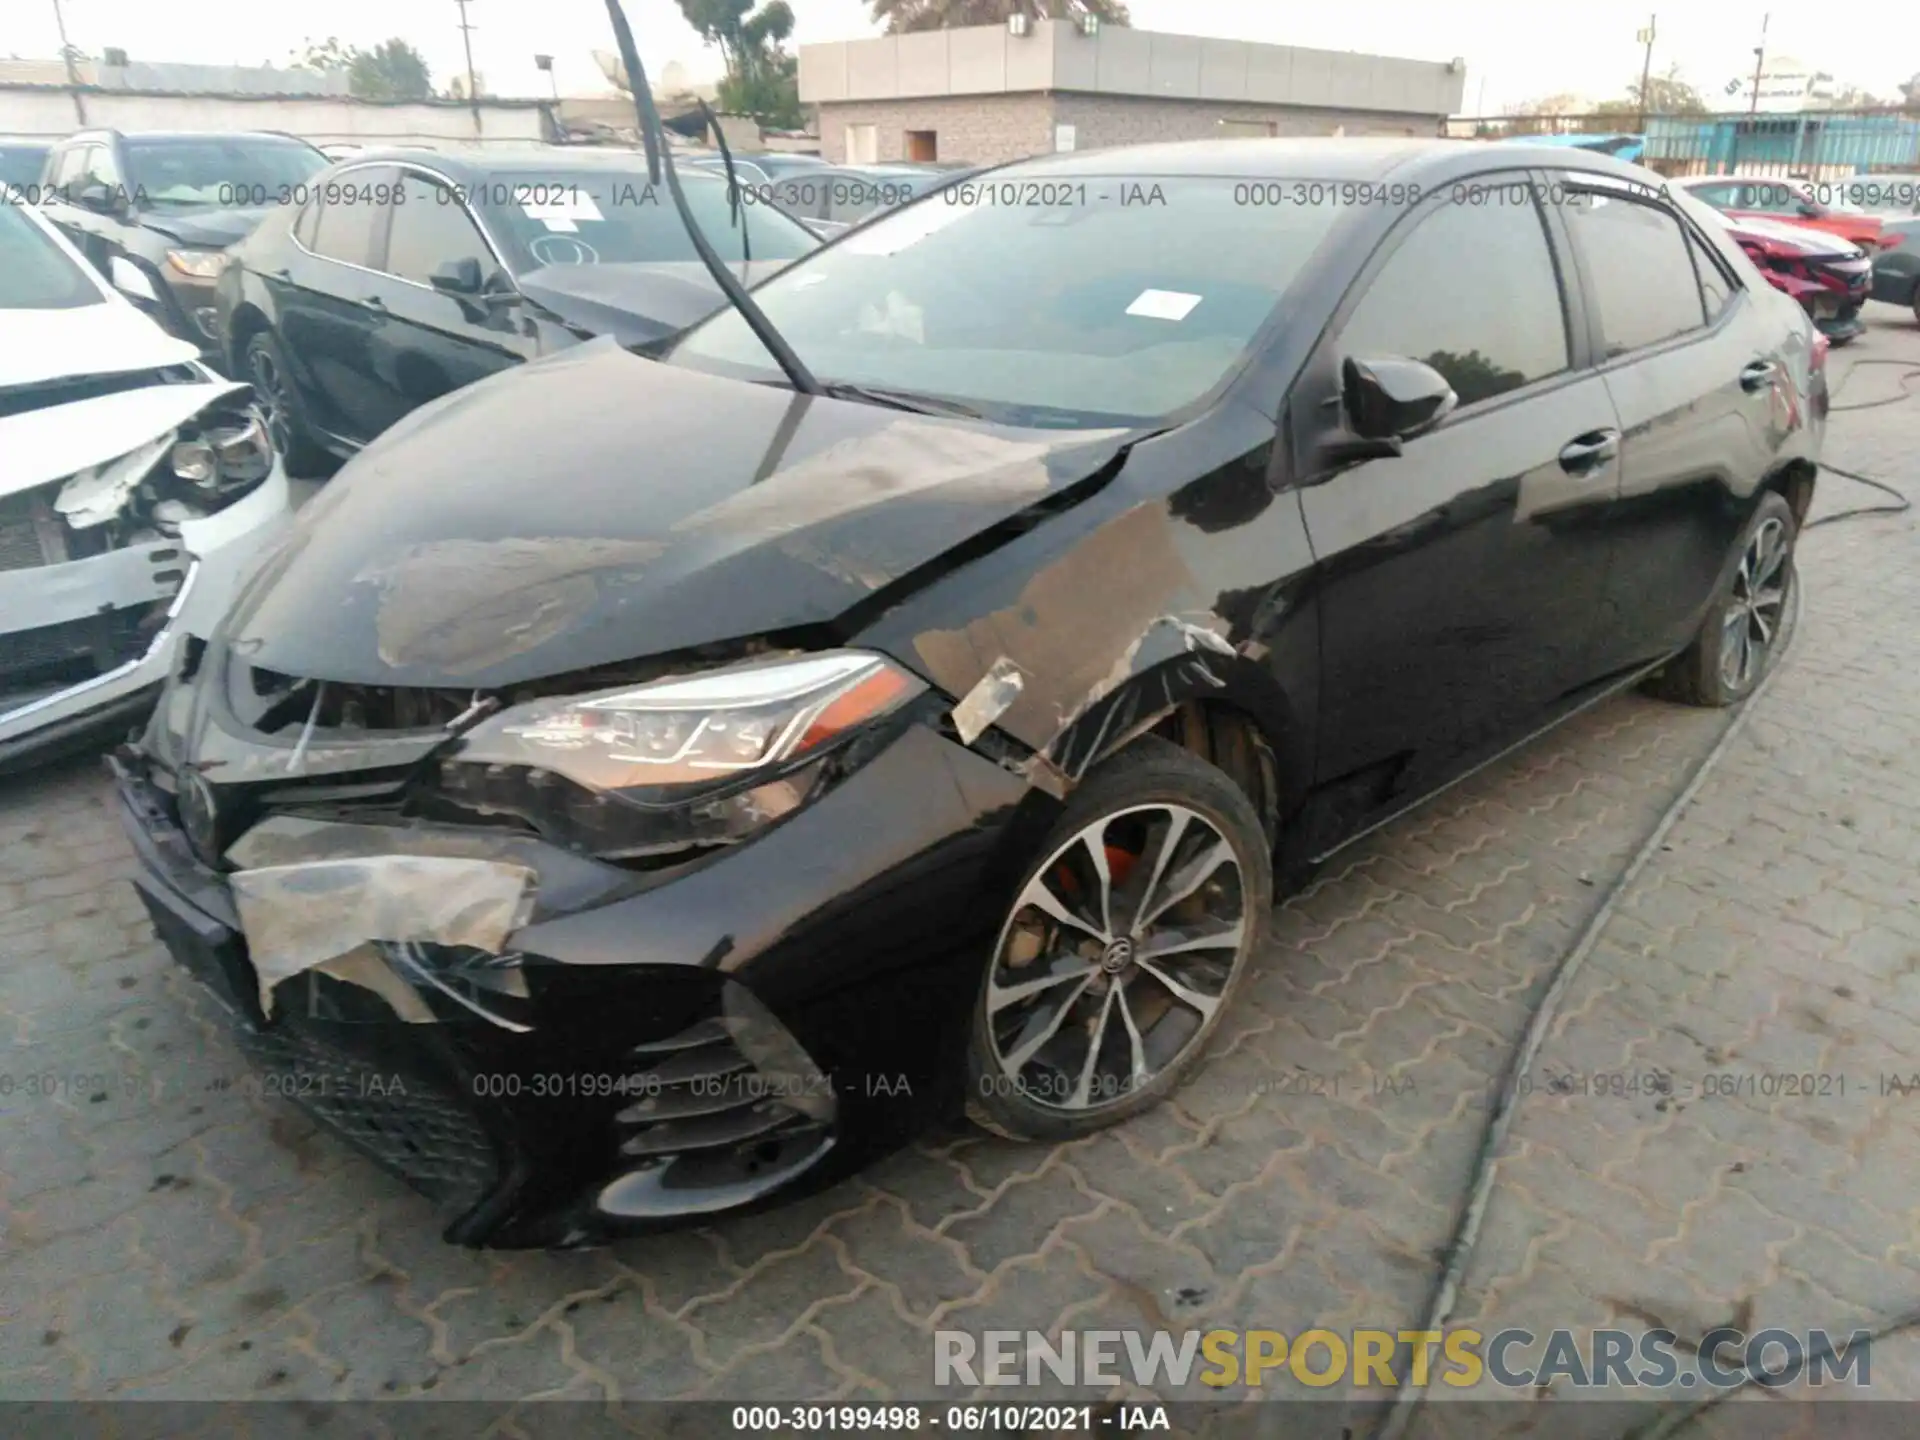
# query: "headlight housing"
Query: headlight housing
227,450
690,760
198,264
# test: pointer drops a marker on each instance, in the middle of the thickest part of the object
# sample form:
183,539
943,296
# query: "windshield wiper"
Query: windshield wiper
900,399
660,157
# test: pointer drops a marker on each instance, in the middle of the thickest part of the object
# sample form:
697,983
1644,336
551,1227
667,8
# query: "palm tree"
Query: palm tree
903,15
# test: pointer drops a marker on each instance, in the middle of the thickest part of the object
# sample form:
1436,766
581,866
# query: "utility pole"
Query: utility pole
466,39
73,71
1646,68
1759,64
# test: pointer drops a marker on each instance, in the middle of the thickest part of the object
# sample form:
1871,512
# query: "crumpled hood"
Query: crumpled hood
215,228
636,303
105,339
598,507
38,446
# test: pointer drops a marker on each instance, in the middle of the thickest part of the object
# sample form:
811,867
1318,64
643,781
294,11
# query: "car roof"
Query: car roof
473,165
1404,159
98,133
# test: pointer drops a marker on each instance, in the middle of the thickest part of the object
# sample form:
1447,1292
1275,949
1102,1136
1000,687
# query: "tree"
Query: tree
762,79
392,70
1854,98
323,56
899,16
1666,94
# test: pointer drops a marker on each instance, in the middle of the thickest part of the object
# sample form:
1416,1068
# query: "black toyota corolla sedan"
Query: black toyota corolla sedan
643,790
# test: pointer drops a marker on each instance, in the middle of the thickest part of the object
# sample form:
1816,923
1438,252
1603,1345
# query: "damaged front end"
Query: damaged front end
516,946
124,497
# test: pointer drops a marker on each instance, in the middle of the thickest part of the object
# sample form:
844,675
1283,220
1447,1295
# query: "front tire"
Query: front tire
273,386
1739,639
1123,948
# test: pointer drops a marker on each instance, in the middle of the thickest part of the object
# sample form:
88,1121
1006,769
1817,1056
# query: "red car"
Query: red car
1829,277
1795,201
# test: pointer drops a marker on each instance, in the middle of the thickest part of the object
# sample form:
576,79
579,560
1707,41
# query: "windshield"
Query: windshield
217,172
20,165
604,217
35,273
1085,301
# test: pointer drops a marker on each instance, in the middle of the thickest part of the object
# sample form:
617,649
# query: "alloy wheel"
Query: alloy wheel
269,387
1116,957
1757,605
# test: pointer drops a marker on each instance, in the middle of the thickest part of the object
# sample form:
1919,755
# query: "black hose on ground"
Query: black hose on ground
1480,1187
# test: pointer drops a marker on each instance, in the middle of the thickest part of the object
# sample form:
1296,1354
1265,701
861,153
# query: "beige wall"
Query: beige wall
981,129
1105,120
987,129
1122,61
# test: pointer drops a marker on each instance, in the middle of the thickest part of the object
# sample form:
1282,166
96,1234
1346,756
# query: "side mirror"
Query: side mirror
1808,211
131,281
1391,400
461,278
99,197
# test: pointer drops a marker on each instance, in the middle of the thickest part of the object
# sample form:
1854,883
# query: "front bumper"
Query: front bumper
1844,324
610,1099
42,605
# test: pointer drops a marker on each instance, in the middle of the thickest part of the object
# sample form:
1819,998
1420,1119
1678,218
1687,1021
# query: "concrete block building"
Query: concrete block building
988,93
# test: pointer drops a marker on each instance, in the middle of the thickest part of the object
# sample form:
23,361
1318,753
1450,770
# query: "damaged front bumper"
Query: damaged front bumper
558,1050
119,615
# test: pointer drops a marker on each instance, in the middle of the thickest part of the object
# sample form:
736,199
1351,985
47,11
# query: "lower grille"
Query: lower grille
21,547
77,650
699,1095
413,1128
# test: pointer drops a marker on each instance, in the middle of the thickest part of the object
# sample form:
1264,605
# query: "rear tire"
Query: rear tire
1738,640
279,396
1123,949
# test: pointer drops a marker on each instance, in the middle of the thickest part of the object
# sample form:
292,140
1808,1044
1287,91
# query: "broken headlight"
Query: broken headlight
694,760
227,450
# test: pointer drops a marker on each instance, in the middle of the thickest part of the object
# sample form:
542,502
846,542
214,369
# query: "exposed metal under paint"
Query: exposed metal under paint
988,700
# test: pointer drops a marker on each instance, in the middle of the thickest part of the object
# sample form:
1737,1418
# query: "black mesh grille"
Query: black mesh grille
76,650
20,547
414,1128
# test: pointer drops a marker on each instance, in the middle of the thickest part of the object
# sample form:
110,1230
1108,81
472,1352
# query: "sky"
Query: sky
1516,50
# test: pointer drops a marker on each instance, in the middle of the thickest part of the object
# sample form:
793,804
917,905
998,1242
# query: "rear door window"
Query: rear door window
350,218
1640,267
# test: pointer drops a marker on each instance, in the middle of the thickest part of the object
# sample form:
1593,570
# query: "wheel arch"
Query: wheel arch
1228,710
248,321
1793,482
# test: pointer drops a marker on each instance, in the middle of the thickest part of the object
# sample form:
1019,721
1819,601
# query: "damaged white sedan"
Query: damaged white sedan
137,488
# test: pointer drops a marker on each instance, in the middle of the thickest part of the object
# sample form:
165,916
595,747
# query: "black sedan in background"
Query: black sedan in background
647,788
155,210
403,275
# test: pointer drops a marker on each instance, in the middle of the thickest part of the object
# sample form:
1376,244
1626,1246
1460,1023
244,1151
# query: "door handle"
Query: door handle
1758,375
1590,451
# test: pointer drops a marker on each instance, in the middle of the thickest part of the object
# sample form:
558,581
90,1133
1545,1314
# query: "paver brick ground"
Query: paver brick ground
165,1232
